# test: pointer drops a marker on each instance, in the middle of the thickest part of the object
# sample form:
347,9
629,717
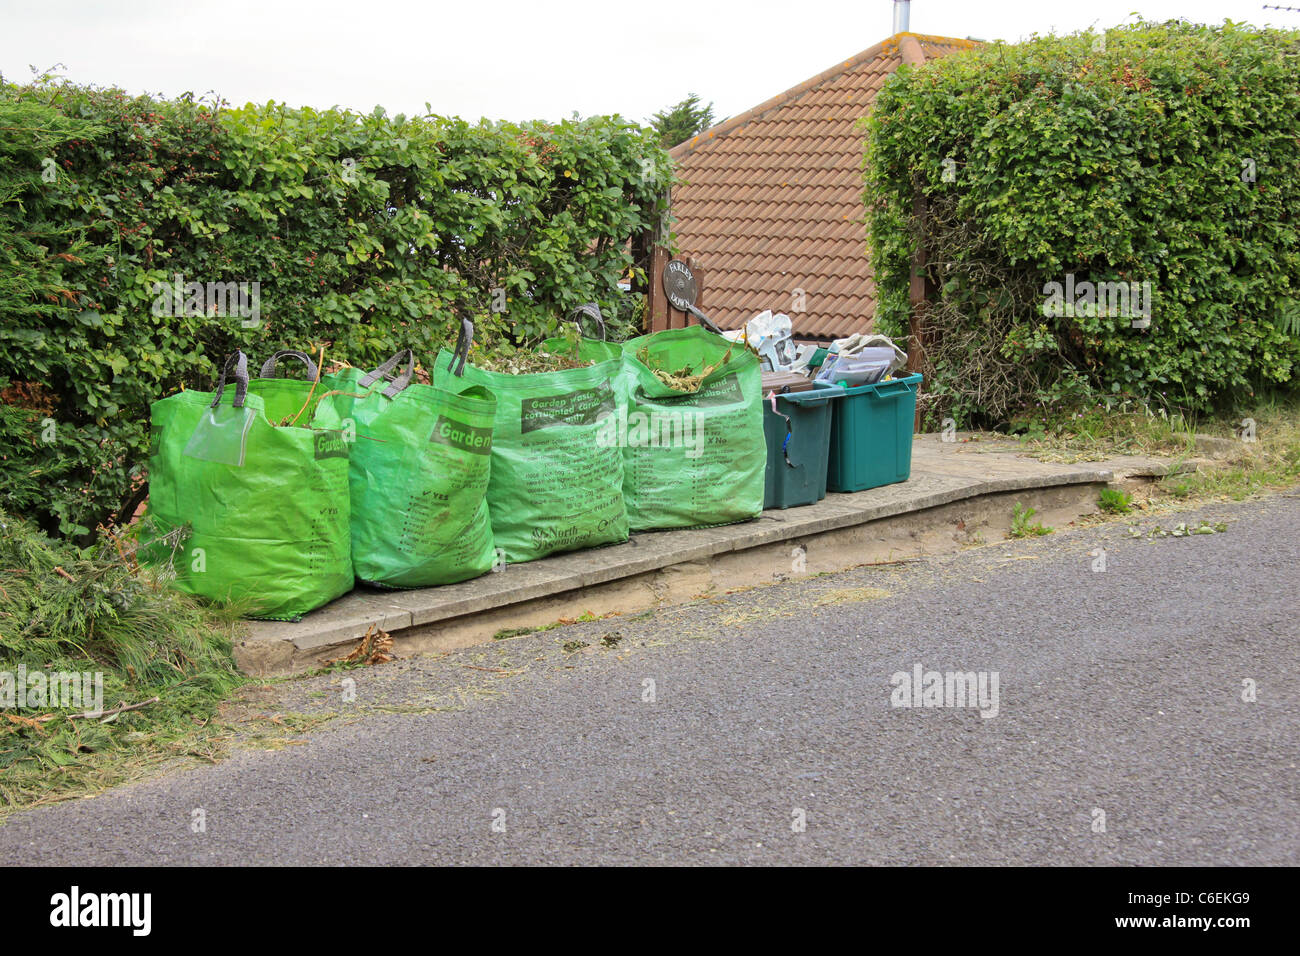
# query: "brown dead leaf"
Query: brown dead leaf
35,723
375,647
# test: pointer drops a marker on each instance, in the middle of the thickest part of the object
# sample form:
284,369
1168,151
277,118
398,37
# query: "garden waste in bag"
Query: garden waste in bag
693,445
552,487
264,498
586,349
419,467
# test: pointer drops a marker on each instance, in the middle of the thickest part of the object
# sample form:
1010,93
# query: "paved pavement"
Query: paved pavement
757,727
942,472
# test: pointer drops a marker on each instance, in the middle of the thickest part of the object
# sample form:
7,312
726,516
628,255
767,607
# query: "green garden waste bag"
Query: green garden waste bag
265,505
553,487
419,466
691,458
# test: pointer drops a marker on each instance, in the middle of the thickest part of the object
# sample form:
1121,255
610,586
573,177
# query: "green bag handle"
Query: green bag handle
268,367
589,310
240,362
400,381
462,347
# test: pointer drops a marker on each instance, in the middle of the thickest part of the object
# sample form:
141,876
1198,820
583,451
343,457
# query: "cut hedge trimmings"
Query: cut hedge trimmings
684,379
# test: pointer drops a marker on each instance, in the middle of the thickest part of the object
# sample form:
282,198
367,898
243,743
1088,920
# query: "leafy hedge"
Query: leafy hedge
364,232
1159,153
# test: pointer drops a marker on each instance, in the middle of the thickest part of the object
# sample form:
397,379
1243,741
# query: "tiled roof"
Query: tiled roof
770,202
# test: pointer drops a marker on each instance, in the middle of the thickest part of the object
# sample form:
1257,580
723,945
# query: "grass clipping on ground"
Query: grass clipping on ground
1265,436
165,663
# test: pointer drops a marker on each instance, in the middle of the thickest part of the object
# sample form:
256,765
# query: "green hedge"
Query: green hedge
1166,154
366,233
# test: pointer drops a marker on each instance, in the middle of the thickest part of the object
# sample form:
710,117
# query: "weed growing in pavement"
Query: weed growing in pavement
1115,502
1020,526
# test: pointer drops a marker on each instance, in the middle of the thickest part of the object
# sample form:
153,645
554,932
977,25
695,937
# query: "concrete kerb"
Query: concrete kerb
633,570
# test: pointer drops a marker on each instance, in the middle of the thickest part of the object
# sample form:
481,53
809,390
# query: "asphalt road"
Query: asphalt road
1120,702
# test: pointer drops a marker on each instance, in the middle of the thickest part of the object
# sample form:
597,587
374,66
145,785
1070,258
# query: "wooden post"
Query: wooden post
661,314
687,318
920,292
657,313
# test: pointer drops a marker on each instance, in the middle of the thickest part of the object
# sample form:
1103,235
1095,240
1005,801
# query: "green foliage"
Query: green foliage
65,471
1020,526
364,233
1288,318
1115,502
679,123
1163,153
91,610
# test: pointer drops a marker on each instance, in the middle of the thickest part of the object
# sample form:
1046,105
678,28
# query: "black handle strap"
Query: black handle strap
462,347
589,310
397,383
268,367
239,362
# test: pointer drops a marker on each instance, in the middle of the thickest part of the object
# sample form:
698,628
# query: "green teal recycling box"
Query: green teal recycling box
798,434
871,433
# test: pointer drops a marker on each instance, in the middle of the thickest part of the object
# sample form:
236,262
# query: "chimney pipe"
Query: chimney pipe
902,15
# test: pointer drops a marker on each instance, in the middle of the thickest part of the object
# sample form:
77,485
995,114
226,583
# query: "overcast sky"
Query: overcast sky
511,59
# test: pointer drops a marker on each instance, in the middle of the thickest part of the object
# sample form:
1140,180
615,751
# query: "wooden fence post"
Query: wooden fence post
661,314
920,292
657,312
